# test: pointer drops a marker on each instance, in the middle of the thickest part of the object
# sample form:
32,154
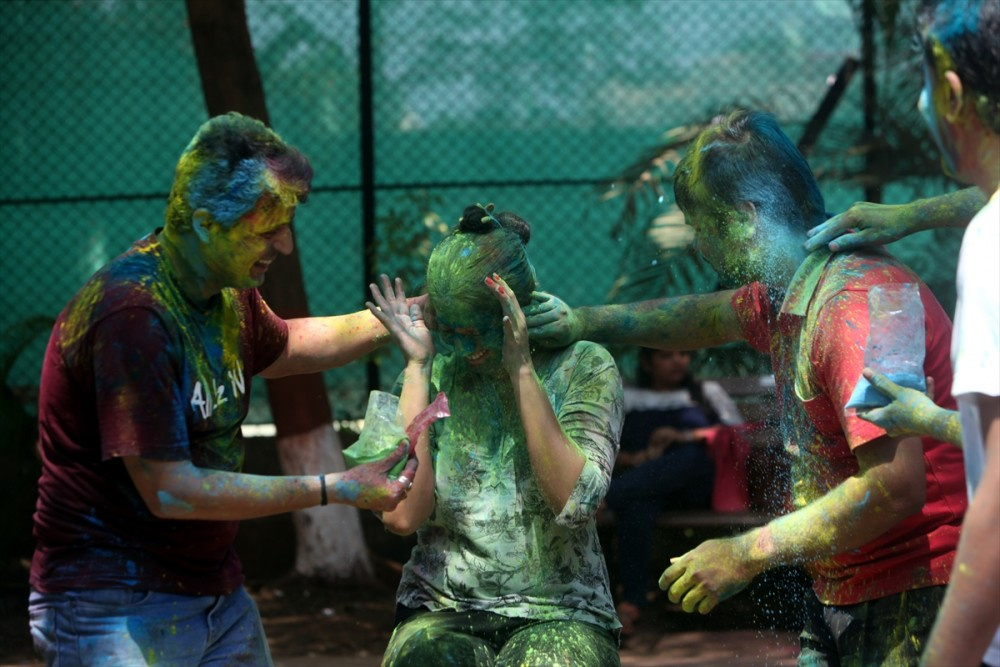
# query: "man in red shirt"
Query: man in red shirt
875,519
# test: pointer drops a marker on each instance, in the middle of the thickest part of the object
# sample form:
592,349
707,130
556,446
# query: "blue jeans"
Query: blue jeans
123,627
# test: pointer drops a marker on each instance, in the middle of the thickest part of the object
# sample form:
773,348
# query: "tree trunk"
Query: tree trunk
330,543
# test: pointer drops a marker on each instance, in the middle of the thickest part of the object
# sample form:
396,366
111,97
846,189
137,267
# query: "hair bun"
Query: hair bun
516,224
479,219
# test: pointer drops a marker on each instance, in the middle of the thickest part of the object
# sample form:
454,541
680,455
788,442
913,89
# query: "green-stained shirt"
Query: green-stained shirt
493,543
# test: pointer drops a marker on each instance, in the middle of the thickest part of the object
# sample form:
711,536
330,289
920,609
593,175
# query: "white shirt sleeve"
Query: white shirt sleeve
975,344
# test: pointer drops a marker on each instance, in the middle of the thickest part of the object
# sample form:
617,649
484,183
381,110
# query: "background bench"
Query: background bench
773,599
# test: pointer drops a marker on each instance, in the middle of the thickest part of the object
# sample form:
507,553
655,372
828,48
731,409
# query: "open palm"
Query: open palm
405,321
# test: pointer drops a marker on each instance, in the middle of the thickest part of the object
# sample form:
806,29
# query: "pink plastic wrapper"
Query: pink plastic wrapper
437,409
382,433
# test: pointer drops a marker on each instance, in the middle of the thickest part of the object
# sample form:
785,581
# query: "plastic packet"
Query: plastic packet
383,432
895,346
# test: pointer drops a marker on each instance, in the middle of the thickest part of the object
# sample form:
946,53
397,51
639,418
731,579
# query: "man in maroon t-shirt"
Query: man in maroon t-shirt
145,383
875,519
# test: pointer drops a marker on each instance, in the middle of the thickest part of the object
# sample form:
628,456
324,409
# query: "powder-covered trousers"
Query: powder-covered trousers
483,639
121,628
889,631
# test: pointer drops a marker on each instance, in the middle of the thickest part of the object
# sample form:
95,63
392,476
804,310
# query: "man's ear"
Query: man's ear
201,222
954,92
749,208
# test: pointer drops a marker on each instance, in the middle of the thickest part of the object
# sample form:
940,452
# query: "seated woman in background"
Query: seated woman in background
507,569
663,463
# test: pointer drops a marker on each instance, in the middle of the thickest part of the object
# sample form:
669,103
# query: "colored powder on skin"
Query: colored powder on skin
167,499
349,490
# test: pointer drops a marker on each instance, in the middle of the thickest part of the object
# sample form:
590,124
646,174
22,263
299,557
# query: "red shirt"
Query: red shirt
134,369
816,342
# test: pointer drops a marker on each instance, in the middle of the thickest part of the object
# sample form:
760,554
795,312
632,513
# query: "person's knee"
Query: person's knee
419,647
559,643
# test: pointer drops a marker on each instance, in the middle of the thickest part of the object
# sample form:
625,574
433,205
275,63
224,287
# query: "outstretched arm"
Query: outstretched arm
320,343
679,323
405,322
912,413
888,488
866,224
182,490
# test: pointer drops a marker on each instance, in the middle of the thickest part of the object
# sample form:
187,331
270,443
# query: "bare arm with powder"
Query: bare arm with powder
911,412
556,460
867,224
888,487
679,323
405,322
320,343
182,490
970,613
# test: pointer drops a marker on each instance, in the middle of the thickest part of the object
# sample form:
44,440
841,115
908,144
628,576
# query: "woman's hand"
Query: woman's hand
516,351
404,320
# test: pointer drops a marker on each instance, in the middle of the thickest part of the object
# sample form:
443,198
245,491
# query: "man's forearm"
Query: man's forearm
944,425
850,515
954,209
679,323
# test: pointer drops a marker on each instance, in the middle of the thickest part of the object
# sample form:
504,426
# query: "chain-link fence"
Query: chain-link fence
532,104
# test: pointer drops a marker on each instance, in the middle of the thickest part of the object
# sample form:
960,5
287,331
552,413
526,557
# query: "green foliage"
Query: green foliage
407,232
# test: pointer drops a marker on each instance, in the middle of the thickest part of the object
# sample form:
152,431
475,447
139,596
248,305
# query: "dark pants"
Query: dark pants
889,631
681,478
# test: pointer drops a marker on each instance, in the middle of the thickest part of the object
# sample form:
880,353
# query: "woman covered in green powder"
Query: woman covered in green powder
507,569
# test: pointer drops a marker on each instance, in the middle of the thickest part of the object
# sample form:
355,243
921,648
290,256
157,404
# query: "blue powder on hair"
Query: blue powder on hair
226,206
961,17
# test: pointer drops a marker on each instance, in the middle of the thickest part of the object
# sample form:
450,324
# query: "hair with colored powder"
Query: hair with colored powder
746,157
229,165
482,244
968,31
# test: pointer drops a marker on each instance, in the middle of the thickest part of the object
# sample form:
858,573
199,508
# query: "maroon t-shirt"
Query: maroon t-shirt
133,368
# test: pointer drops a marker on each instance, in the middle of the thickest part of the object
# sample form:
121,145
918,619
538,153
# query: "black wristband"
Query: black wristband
322,490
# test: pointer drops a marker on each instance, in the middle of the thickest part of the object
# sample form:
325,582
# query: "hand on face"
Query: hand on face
705,576
908,413
403,319
369,486
516,350
550,321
